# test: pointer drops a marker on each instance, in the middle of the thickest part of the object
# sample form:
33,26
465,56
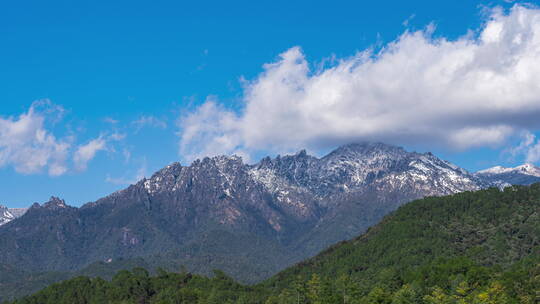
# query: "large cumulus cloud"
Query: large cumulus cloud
477,90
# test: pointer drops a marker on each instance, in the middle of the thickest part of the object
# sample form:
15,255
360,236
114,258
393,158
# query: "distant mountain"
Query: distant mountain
525,174
9,214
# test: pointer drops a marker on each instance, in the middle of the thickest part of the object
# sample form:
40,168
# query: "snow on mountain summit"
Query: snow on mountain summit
528,169
9,214
354,167
5,215
349,168
501,176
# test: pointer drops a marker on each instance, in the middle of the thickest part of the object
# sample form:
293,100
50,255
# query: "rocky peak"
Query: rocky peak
221,164
354,165
360,159
220,169
301,153
286,162
529,169
171,169
162,180
224,162
289,171
55,203
367,150
176,176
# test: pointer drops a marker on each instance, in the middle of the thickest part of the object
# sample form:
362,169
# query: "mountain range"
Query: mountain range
471,247
249,220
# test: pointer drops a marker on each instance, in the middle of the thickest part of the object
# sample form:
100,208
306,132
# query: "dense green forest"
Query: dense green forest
473,247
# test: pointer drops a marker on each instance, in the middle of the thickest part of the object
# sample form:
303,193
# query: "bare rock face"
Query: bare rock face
222,213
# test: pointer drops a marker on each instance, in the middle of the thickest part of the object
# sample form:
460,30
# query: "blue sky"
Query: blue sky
126,81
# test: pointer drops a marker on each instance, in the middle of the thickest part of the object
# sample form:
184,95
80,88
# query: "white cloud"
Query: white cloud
527,139
474,91
529,148
28,146
86,152
148,121
27,142
210,130
110,120
533,154
117,136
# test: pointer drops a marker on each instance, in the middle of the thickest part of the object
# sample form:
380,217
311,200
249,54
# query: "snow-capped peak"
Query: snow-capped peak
527,169
359,166
9,214
494,170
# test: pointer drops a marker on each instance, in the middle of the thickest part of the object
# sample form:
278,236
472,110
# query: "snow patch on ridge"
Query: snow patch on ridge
527,169
9,214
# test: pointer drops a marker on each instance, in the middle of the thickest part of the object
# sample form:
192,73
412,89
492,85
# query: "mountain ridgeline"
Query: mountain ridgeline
471,247
250,221
525,174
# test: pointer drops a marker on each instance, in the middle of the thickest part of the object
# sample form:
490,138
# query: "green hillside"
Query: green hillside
488,227
473,247
474,239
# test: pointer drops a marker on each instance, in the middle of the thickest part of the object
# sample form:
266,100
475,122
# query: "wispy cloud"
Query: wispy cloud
474,91
127,155
87,152
408,20
116,136
110,120
528,148
533,154
148,121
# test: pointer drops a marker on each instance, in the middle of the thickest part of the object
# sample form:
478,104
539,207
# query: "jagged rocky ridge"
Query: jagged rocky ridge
249,220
